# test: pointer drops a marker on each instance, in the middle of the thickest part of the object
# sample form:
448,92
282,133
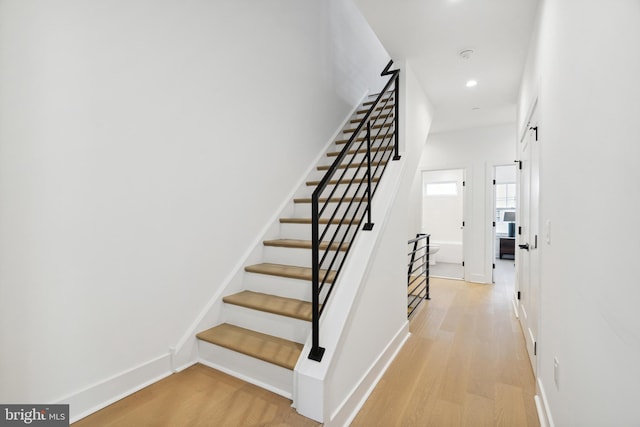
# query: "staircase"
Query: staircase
265,325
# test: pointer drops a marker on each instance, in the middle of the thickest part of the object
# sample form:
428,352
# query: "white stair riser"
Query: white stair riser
343,190
358,157
263,374
303,231
374,130
276,285
287,256
291,256
271,324
281,286
303,210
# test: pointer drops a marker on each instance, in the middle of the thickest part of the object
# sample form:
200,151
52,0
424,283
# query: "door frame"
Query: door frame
493,226
464,208
527,299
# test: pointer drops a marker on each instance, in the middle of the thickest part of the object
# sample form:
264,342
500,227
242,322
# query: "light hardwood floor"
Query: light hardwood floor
465,364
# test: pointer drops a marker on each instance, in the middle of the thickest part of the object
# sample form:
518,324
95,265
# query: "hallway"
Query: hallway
464,365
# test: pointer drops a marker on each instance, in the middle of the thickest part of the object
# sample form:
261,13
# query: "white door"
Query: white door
527,237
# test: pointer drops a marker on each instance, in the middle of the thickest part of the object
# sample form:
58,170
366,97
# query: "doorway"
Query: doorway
504,225
443,219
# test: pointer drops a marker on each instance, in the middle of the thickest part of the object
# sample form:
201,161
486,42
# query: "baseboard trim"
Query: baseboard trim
542,406
97,396
352,404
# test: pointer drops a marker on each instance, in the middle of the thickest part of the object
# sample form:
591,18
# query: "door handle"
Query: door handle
525,246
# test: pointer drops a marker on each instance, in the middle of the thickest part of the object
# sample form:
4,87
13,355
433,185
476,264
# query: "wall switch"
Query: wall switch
556,373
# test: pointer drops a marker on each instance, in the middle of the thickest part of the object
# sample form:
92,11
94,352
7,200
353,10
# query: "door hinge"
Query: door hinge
463,263
535,128
519,230
535,348
463,223
494,182
464,183
535,242
494,266
518,295
519,162
494,223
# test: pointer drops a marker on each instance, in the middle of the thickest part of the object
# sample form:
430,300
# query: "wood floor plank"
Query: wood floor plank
199,397
418,389
464,364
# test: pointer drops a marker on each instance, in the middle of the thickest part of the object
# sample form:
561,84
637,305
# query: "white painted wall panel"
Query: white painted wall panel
584,63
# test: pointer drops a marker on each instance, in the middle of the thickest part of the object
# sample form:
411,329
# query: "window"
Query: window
505,196
505,204
441,189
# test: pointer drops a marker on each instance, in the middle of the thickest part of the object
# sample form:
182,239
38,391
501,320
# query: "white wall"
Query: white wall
477,151
378,321
143,146
584,66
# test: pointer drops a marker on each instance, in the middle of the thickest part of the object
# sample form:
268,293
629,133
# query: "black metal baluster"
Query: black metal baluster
369,224
426,270
396,121
316,352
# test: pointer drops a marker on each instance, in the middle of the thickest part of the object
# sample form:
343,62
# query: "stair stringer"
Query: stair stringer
186,351
321,389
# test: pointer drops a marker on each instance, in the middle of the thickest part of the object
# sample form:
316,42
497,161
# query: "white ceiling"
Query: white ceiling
430,33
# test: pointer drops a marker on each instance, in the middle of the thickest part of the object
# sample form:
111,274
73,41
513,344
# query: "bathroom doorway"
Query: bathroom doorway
504,230
443,219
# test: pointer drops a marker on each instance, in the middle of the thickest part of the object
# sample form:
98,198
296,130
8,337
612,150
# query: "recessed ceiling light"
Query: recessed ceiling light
472,83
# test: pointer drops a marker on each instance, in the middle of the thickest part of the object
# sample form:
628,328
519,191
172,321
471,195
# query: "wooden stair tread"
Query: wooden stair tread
265,347
343,181
359,139
383,99
289,271
351,130
361,151
303,244
386,107
373,119
321,221
274,304
330,200
351,166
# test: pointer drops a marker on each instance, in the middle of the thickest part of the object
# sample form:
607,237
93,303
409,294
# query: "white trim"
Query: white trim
349,408
246,378
525,128
542,406
103,393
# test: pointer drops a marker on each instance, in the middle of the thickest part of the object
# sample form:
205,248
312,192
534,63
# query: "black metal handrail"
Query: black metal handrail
343,196
418,272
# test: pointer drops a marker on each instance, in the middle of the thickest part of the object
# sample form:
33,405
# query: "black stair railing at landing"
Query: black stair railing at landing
343,197
418,272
